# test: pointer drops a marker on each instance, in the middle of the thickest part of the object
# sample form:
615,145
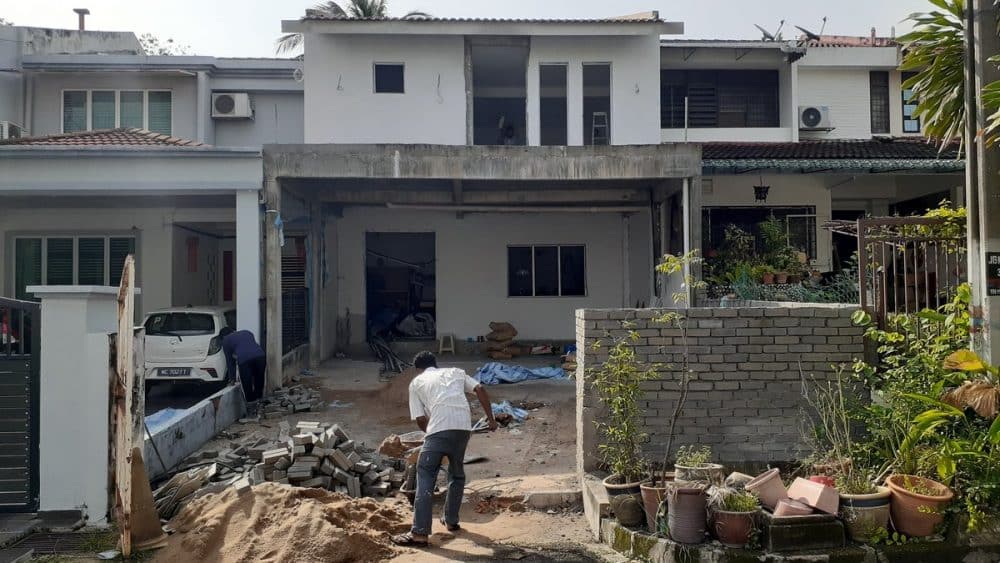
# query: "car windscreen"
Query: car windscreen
180,324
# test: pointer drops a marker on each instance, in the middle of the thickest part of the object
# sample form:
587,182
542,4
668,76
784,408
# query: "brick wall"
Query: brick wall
745,395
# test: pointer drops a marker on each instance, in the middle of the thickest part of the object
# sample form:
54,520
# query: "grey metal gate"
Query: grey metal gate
19,379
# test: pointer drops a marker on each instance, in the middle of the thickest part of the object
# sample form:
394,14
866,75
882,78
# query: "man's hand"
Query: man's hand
493,424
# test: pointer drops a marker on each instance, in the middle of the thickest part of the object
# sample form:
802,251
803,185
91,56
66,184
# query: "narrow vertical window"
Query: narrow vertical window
130,110
102,109
74,111
552,104
911,123
59,261
27,265
90,261
596,104
160,114
879,94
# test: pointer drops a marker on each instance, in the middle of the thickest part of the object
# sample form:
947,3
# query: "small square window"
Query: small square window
388,78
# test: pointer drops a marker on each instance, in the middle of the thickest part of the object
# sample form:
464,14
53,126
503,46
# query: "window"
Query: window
596,104
69,260
86,110
546,271
719,98
911,123
552,104
879,94
389,78
180,324
800,225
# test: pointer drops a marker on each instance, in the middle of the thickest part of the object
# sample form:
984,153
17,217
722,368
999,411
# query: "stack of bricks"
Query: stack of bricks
745,394
285,401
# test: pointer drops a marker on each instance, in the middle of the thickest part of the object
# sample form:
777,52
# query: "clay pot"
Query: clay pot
686,514
781,277
768,487
615,486
707,474
625,499
823,480
789,507
864,514
653,497
915,514
817,495
767,278
733,528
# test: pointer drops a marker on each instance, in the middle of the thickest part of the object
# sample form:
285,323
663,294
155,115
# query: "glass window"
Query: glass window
552,104
546,271
800,225
130,112
879,94
520,282
571,272
160,115
59,261
90,261
596,104
719,98
119,247
27,265
102,109
74,111
911,123
389,78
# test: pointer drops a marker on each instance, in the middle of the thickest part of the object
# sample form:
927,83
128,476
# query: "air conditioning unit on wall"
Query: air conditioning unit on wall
233,105
814,118
11,130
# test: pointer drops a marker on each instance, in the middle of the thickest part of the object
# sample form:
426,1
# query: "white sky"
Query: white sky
248,28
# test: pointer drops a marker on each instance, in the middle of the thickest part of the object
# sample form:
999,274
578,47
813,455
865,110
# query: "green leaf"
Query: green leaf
965,360
993,434
931,315
934,403
946,467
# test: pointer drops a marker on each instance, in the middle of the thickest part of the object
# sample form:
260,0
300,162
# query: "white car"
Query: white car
183,344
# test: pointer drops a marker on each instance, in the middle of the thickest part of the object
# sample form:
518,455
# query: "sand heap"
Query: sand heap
280,523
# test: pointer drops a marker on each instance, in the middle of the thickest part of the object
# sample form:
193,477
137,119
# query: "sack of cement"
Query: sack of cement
501,331
498,345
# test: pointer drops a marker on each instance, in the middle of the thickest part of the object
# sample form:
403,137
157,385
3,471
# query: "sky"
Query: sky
248,28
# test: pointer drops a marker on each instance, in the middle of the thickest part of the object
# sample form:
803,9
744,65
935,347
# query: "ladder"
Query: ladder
599,128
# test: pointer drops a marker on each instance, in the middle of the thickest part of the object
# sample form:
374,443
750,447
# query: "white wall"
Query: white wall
196,288
340,103
635,79
472,266
846,91
728,134
278,118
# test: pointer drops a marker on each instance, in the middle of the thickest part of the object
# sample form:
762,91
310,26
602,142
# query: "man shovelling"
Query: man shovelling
441,409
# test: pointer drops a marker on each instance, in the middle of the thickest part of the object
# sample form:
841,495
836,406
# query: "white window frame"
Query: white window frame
76,253
559,247
118,91
375,64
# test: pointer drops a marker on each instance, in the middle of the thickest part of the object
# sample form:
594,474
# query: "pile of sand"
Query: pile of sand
279,523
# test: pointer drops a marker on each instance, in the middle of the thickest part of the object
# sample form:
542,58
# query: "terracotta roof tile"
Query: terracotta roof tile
104,137
313,15
888,148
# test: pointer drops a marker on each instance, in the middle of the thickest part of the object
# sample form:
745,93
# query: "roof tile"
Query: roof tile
104,137
879,148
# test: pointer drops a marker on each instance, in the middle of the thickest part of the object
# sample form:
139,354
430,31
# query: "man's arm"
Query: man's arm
484,400
227,351
417,410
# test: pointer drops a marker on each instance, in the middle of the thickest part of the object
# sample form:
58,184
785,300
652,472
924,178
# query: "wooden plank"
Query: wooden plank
123,413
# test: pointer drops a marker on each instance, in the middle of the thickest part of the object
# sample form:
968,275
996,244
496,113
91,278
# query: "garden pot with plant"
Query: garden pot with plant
767,278
864,513
781,277
654,492
733,514
686,514
693,465
916,504
768,487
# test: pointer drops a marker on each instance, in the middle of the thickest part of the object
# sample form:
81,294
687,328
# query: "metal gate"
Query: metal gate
20,341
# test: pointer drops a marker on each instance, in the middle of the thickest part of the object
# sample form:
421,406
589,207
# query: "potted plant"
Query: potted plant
686,506
864,506
916,504
767,275
733,514
693,465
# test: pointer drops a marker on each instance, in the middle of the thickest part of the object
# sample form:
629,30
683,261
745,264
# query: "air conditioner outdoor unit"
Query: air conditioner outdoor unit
235,105
10,130
813,118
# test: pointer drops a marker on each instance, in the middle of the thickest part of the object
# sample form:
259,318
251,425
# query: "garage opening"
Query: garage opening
400,273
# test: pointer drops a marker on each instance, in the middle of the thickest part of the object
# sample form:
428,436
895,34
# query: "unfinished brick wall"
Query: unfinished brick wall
745,395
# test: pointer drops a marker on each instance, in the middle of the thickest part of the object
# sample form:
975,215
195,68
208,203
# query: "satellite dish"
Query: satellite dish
809,35
766,33
297,75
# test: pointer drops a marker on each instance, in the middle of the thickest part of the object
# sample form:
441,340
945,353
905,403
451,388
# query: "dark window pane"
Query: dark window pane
571,264
519,271
879,84
59,261
546,270
120,248
130,109
74,111
911,124
389,79
552,104
102,109
28,265
181,324
90,261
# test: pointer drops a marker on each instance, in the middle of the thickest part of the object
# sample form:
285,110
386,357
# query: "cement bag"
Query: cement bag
498,355
501,331
498,345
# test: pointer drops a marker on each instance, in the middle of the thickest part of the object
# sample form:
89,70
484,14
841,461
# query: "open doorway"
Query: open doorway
499,92
400,284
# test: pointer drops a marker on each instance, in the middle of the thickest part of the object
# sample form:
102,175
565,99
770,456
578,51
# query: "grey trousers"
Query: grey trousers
437,446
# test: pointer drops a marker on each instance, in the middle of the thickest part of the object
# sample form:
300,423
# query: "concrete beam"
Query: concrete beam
590,163
380,197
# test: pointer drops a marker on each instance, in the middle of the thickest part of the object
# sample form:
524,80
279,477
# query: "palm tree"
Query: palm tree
359,9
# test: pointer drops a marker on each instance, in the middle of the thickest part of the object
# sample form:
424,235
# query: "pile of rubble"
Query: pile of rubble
289,400
316,455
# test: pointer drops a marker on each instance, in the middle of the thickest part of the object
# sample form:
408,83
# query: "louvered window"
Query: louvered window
719,98
160,115
90,268
69,260
74,111
130,112
102,109
85,110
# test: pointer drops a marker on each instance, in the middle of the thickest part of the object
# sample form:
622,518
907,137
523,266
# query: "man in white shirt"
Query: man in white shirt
441,409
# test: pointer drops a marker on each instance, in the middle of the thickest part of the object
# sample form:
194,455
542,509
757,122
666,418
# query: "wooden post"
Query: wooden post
123,407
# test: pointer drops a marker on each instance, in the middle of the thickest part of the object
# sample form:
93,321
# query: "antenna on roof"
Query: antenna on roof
809,35
767,34
777,33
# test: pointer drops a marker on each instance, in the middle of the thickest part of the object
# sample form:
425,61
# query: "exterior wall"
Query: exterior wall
278,118
745,395
471,255
341,104
870,192
728,134
635,80
786,190
204,285
48,87
10,82
846,91
159,266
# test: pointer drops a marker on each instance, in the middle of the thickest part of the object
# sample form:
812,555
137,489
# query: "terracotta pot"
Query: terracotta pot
768,487
781,277
653,497
686,514
733,528
916,514
865,514
817,495
823,480
768,279
789,507
708,474
794,278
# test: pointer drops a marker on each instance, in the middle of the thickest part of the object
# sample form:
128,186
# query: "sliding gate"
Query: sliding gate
19,380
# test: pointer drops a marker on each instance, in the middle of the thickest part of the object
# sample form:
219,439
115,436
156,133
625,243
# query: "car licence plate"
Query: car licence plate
175,372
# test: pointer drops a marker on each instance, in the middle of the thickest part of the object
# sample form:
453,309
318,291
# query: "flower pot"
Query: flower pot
794,278
817,495
823,480
789,507
768,279
768,487
625,499
615,486
708,474
780,277
733,528
686,514
865,514
653,497
916,514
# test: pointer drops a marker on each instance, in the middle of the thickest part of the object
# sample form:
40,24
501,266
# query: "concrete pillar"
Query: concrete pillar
73,395
574,105
272,281
626,262
204,128
316,293
248,262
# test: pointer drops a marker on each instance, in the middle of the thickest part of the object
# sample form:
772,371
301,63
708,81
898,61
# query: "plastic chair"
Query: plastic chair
446,344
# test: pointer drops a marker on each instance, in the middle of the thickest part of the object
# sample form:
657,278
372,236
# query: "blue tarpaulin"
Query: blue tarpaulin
494,373
519,415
